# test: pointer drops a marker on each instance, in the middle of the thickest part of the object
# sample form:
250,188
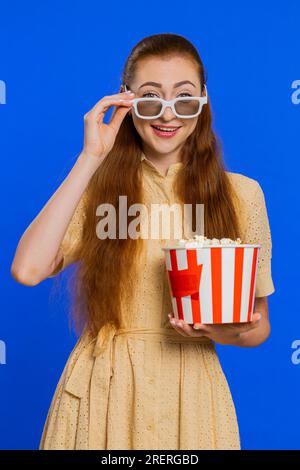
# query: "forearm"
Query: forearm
254,337
32,262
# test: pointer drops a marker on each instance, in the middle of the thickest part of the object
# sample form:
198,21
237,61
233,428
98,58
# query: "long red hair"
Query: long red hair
106,269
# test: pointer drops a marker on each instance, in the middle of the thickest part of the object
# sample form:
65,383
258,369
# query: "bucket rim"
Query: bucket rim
176,247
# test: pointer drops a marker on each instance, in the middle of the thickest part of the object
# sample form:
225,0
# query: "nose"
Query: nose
168,114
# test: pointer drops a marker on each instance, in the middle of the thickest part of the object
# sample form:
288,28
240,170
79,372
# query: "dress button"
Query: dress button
149,427
151,380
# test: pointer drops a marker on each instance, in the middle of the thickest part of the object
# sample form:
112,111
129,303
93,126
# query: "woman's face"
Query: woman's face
165,74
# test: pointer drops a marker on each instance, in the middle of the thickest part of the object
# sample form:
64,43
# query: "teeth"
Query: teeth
166,129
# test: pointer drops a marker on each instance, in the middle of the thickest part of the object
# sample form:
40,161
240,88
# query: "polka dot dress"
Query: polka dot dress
146,386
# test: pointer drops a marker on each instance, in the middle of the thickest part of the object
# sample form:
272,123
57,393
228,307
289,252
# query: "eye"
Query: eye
151,93
187,94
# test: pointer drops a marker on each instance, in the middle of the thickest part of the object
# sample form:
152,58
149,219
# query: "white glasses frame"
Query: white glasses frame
170,103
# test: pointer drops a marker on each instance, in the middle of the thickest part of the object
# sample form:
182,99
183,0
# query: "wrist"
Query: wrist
90,162
245,340
237,340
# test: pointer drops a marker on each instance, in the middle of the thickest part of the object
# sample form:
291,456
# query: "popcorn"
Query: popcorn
200,241
215,284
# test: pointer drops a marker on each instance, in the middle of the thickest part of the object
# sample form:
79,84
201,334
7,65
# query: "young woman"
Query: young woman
138,379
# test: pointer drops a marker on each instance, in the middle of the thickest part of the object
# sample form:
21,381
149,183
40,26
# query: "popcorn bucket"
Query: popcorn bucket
212,284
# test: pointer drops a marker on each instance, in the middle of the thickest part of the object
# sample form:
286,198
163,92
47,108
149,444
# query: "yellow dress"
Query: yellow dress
148,386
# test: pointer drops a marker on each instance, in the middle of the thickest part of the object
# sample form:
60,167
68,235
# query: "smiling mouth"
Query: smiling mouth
166,128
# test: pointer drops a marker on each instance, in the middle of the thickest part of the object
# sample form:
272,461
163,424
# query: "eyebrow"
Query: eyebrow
159,85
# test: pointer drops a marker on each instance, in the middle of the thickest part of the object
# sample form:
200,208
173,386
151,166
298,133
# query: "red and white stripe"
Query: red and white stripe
225,280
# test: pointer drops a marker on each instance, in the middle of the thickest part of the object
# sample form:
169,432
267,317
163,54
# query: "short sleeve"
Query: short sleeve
71,242
258,231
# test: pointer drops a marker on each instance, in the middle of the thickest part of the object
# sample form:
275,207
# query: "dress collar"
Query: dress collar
173,168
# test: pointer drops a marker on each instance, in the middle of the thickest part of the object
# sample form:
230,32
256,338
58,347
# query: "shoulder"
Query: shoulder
243,183
248,196
247,189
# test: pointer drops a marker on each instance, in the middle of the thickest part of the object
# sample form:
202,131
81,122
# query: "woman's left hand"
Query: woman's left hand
228,333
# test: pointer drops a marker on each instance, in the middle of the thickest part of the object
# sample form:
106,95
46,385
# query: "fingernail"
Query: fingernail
259,316
130,92
196,327
172,321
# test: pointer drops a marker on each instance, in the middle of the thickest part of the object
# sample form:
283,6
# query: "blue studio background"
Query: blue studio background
58,58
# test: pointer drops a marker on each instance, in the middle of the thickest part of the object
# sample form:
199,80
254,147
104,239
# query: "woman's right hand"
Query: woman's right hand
99,137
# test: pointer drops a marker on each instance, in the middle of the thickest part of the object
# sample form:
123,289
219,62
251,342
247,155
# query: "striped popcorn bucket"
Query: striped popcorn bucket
212,284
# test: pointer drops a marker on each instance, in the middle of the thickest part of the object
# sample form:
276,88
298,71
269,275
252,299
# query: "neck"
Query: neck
162,161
